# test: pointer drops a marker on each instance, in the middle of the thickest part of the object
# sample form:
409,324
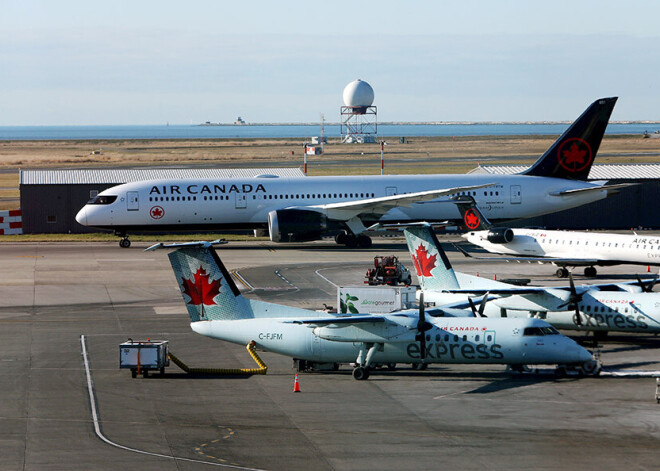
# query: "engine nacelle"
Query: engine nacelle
500,235
296,225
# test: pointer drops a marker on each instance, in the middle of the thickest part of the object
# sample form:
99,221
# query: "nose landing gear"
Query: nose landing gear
124,243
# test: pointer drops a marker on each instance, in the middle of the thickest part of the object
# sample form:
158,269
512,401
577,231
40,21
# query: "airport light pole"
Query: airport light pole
382,161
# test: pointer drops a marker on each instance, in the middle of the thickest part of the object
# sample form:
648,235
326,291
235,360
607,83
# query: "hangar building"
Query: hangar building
50,199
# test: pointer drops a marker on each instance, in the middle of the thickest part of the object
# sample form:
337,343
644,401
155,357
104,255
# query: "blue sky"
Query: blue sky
151,62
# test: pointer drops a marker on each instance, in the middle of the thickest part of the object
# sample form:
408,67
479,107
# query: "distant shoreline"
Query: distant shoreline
427,123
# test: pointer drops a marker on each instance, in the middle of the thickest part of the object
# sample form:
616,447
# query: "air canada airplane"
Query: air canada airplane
322,340
307,208
601,308
561,248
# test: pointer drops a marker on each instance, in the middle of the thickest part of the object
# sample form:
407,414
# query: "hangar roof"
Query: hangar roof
598,171
126,175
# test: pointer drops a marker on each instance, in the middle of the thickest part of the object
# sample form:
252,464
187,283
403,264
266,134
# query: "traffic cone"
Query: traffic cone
648,269
495,277
296,386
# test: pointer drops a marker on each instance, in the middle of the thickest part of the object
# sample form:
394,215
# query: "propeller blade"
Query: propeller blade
647,287
578,317
652,283
482,306
572,285
473,307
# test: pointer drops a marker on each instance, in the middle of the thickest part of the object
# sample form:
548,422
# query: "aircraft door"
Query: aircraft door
489,337
132,202
390,191
241,200
516,194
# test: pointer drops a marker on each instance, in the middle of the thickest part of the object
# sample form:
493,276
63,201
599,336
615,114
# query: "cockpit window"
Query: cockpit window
550,331
103,199
533,332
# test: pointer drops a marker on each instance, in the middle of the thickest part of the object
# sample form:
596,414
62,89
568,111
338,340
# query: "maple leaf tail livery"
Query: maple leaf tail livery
208,290
572,155
433,268
319,340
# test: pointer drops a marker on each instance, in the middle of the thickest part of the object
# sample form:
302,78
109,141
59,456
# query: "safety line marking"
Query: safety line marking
317,272
97,426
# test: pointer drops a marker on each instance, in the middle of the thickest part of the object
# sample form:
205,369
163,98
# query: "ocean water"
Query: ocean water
18,133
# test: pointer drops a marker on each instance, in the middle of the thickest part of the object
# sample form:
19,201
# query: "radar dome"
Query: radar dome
358,94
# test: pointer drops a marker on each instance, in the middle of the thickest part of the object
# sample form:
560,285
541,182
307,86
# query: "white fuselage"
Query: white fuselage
608,249
245,203
450,340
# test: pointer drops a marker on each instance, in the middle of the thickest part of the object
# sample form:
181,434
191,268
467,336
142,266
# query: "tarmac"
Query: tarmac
67,305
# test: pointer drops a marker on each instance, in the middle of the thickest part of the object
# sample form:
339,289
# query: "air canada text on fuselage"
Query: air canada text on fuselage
205,189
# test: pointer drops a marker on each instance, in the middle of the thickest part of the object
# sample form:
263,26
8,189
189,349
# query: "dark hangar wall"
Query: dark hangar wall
52,209
633,207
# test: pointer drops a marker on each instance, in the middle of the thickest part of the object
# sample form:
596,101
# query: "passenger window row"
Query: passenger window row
599,244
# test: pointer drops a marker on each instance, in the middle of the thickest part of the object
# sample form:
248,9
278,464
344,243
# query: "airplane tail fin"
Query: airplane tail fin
473,218
572,155
206,286
434,270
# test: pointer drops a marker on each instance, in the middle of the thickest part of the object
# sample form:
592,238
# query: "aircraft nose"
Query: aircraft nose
81,217
579,353
585,355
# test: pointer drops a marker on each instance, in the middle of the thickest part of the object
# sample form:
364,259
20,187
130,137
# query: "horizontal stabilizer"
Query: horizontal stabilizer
608,188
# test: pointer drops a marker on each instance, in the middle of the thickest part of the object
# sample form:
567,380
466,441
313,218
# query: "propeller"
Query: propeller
573,300
647,287
482,306
422,327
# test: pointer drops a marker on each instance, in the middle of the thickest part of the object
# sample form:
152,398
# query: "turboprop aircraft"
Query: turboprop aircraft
218,310
561,248
307,208
602,308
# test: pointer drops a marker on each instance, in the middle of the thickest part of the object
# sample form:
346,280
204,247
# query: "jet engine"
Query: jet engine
296,225
500,235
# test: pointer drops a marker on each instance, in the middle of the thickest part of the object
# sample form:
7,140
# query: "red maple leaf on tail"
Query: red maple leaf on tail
200,289
423,263
471,219
574,155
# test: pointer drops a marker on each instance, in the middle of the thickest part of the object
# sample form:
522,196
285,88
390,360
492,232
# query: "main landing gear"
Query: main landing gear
124,243
367,351
589,272
350,240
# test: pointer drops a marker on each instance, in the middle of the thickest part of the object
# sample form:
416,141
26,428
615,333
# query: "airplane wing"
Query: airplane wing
337,320
200,243
500,291
609,188
383,204
351,211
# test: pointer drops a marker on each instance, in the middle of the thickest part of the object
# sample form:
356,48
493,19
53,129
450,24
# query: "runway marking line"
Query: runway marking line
97,422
